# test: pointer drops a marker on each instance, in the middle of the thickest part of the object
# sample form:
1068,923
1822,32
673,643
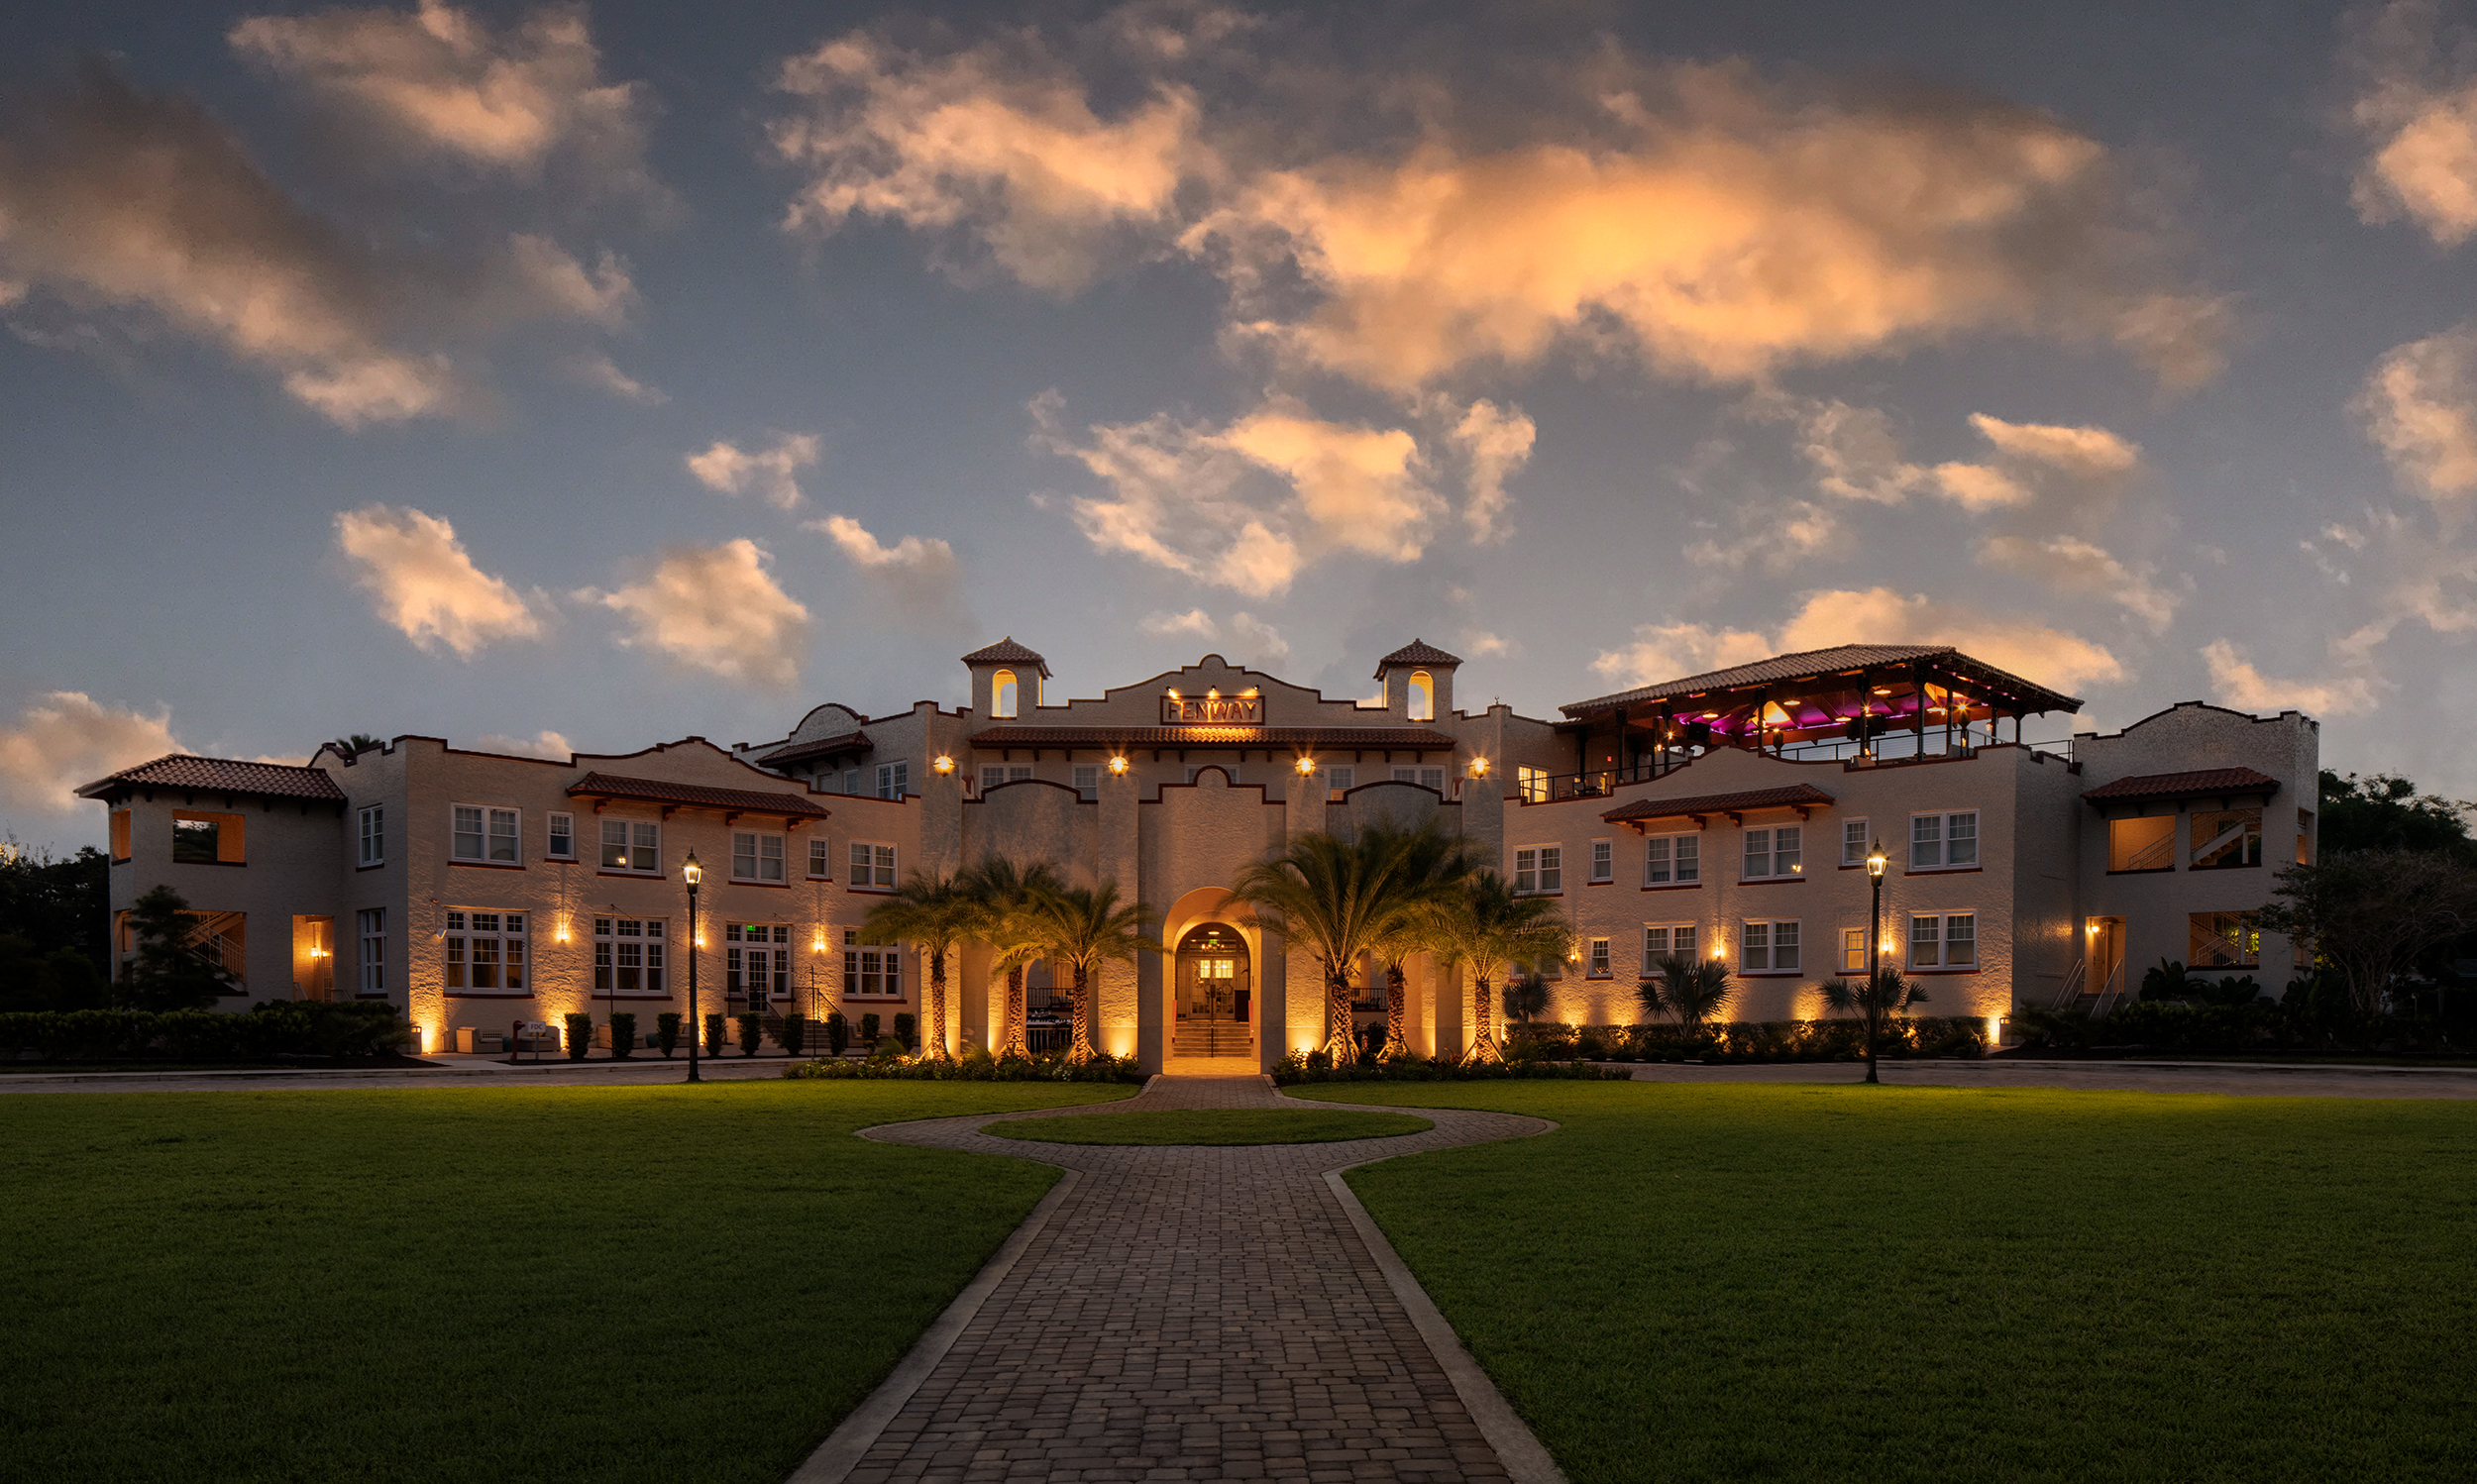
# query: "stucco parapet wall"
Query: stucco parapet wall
1366,738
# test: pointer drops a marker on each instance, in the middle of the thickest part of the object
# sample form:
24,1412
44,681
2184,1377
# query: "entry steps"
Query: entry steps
1214,1038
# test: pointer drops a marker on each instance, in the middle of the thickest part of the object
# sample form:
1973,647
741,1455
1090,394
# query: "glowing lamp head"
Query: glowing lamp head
1478,767
1306,766
692,873
1877,860
1118,765
943,764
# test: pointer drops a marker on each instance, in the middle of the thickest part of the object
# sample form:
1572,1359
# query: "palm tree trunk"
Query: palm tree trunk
1017,1042
1081,1052
1340,1045
933,1044
1483,1048
1397,989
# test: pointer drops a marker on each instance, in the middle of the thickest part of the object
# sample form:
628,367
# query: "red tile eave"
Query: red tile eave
1801,797
695,796
2197,782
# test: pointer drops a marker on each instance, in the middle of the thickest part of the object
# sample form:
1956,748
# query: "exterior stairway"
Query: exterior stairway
1227,1040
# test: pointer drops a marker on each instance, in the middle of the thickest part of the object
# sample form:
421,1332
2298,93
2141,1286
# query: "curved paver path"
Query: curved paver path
1191,1314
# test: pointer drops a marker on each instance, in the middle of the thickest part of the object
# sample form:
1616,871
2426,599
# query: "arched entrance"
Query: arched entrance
1213,991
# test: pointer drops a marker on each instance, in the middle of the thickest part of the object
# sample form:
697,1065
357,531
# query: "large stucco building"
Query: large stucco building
1725,814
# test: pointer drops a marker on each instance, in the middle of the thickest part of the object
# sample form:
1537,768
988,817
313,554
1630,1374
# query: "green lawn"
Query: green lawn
1796,1282
1212,1126
665,1283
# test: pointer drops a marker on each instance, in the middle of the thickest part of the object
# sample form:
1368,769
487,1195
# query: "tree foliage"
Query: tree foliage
934,910
2368,914
2386,812
1693,989
1482,925
55,903
1015,929
1883,994
1086,927
170,972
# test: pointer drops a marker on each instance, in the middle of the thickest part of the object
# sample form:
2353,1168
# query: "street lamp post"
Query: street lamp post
692,873
1875,862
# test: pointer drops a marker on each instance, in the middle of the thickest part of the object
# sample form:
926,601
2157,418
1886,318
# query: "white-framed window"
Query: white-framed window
893,780
821,859
486,834
994,774
1339,780
631,845
756,856
1603,861
1947,940
628,955
1673,860
485,951
1769,946
1771,854
1660,939
1853,842
872,866
1853,950
851,781
1539,869
1426,777
873,973
1943,842
1531,785
373,923
374,834
1598,957
755,962
561,830
1088,782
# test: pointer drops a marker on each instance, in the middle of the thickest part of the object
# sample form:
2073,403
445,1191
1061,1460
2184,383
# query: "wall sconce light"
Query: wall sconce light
1478,767
1306,766
1117,764
943,764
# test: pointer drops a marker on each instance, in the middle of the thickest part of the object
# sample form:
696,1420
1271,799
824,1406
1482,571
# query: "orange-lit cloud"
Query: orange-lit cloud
2416,111
714,608
2242,686
543,744
727,469
1497,443
2418,405
67,739
918,574
424,584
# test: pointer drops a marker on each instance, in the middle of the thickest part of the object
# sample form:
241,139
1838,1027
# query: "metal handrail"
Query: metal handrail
2074,979
2109,995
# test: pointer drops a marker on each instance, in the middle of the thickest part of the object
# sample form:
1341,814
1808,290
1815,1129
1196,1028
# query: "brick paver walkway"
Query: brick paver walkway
1191,1314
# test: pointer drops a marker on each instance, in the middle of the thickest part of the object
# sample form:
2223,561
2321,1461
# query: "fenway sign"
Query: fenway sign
1212,710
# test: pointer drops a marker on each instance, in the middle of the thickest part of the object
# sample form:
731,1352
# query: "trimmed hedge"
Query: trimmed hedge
272,1028
975,1066
1316,1067
1752,1040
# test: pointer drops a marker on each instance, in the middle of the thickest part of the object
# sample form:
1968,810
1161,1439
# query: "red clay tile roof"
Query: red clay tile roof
1399,738
1417,652
1006,652
2199,782
222,776
1790,796
823,747
1814,664
661,790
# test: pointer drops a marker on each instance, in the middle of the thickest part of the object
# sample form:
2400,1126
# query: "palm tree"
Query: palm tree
1015,927
1431,865
1691,989
1088,926
1340,898
935,911
1885,994
1482,926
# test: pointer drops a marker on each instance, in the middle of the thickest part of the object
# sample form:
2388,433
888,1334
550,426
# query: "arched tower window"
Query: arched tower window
1002,693
1422,696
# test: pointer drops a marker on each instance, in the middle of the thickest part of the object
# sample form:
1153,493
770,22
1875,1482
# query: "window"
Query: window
1853,842
374,835
372,921
1531,785
1599,958
2223,940
2226,839
872,866
120,834
1853,950
756,857
2142,844
1943,842
1426,777
821,859
994,774
873,972
1768,947
1603,862
485,951
1775,852
627,956
631,845
1539,868
1659,939
1088,782
893,780
1339,780
753,971
486,835
563,837
2305,839
1946,940
1673,860
200,839
1422,696
851,781
1001,692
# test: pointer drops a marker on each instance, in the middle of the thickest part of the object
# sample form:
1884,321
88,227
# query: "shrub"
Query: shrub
580,1035
978,1066
868,1028
837,1033
795,1037
1314,1067
752,1033
622,1032
907,1031
666,1032
714,1035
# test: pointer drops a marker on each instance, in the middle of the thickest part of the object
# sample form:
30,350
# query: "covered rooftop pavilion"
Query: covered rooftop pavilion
1853,701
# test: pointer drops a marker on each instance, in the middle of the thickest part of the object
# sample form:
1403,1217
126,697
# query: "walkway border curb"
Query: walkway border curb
847,1444
1524,1458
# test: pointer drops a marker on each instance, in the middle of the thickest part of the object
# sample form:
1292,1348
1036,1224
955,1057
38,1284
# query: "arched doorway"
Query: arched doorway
1213,977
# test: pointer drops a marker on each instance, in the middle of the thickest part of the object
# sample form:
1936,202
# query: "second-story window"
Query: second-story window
1853,842
1603,861
1943,842
1088,782
872,866
893,780
486,834
821,859
373,832
631,845
1775,852
1673,860
1539,868
563,837
756,856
